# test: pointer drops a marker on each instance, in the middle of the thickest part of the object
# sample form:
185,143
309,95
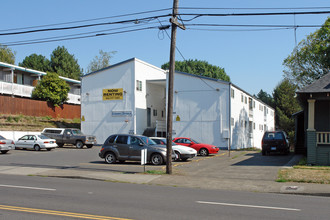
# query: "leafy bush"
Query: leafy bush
51,88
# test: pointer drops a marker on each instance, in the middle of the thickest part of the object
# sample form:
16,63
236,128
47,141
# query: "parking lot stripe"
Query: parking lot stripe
248,206
27,187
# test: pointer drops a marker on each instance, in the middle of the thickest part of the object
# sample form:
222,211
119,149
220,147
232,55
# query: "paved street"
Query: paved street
26,197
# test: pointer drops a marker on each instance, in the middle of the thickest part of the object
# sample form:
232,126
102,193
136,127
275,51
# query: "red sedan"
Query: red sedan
202,149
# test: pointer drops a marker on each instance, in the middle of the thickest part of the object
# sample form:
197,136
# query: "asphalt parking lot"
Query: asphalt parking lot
238,165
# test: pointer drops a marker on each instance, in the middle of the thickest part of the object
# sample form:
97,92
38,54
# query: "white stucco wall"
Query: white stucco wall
248,125
150,95
201,109
98,112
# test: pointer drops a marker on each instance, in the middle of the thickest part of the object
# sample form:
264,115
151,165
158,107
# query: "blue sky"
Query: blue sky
252,59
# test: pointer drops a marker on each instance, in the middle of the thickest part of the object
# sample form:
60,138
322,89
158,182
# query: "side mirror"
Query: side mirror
141,144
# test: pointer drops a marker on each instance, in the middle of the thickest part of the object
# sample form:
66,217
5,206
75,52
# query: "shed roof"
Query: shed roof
319,86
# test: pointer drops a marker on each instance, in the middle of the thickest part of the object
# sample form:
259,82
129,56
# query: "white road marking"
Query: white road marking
28,187
249,206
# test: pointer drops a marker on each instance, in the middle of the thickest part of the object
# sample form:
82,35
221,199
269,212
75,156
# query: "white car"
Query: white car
36,142
6,145
181,152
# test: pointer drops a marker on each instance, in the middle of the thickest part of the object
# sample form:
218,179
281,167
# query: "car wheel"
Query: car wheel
110,158
79,144
203,152
4,151
184,159
49,149
156,159
36,147
177,156
89,145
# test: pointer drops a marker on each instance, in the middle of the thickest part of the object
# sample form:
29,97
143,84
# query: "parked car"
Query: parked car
70,136
202,149
122,147
6,145
275,141
181,152
36,142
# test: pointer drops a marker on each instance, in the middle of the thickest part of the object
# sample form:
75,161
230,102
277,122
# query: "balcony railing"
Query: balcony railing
322,137
26,91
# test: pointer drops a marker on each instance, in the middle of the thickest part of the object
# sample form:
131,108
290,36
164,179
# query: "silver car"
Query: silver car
181,152
6,145
36,142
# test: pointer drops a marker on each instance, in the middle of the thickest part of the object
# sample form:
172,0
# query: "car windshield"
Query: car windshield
2,138
196,142
76,132
148,141
43,137
273,136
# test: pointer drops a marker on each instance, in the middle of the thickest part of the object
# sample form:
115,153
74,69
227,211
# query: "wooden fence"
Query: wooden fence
16,106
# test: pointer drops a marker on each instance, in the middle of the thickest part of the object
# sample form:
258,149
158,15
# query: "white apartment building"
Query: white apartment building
131,97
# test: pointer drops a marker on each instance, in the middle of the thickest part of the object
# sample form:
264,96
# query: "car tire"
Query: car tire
203,152
4,151
184,159
156,159
36,147
49,149
177,155
79,144
89,145
110,158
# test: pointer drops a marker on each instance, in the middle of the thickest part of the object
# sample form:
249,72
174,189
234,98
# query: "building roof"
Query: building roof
23,69
319,86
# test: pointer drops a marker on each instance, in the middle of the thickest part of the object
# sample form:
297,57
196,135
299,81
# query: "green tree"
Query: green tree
7,55
266,98
51,88
100,62
310,60
65,64
199,67
286,104
36,62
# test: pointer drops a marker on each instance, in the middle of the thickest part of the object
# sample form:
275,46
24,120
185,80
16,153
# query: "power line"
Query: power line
72,35
295,8
87,20
147,19
85,26
82,37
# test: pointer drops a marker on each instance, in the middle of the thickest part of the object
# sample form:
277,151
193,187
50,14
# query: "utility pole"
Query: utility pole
175,23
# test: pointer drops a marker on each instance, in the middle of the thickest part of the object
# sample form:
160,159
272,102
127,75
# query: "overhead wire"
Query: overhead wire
87,20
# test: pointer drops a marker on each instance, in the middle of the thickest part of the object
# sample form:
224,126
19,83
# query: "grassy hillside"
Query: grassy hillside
31,123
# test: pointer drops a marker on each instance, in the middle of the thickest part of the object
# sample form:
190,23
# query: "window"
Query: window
155,112
232,93
242,98
112,139
121,139
232,121
254,126
245,100
138,85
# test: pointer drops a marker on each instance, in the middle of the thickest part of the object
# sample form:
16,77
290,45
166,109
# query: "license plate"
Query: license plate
273,148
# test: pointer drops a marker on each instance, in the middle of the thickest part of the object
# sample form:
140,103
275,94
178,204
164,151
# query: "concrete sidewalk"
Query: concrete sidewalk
187,175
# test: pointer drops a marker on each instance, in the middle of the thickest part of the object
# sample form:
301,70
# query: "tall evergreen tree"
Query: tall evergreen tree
65,64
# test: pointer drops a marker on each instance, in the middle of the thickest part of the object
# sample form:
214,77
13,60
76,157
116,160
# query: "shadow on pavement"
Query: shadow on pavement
256,159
